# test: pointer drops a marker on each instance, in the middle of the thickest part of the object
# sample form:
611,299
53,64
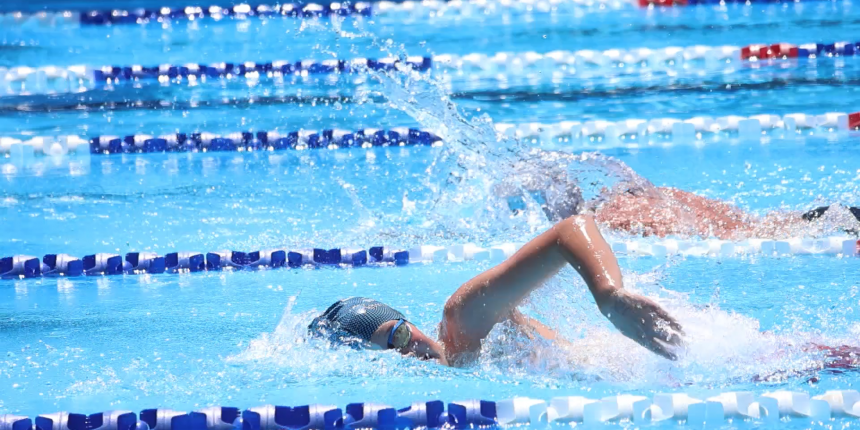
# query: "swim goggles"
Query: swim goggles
400,335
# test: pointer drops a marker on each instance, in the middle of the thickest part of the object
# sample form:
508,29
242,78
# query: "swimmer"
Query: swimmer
493,297
632,204
669,211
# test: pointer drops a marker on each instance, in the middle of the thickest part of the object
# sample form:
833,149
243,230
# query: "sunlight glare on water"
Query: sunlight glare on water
240,338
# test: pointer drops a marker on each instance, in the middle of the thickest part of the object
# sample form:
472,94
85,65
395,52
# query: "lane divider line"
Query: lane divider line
416,9
587,135
17,149
105,264
23,80
770,408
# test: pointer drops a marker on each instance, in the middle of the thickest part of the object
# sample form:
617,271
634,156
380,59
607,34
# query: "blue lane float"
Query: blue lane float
283,68
269,417
15,422
240,11
472,413
107,264
167,419
770,408
109,420
262,140
217,418
370,415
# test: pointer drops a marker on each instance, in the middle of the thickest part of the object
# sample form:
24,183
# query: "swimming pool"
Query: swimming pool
237,338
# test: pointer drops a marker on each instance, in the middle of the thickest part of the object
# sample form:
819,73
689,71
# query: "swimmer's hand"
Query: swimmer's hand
644,321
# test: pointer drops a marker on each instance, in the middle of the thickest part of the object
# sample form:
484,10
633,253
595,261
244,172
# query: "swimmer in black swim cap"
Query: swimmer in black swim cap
493,297
361,322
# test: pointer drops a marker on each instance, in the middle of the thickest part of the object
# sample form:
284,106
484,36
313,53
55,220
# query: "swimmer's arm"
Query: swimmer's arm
532,326
635,316
490,297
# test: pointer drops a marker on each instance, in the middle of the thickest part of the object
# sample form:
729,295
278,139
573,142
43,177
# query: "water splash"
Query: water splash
478,171
722,348
289,349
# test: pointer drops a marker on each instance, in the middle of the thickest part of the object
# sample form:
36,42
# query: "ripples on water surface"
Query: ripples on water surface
238,338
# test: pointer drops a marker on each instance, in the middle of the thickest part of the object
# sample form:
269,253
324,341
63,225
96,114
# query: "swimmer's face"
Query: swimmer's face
424,347
410,342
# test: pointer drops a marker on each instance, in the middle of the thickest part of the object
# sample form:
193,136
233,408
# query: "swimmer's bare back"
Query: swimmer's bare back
669,211
493,296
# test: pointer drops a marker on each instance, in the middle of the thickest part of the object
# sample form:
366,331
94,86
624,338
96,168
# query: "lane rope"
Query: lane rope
420,9
208,142
576,135
104,264
23,80
770,408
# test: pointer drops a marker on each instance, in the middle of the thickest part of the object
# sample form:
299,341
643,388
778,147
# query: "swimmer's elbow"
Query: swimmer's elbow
458,333
455,315
452,309
448,328
585,220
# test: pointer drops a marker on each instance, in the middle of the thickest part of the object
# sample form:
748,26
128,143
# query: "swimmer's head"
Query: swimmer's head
549,186
367,323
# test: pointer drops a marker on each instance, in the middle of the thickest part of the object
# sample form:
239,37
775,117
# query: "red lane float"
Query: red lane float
809,50
764,52
854,124
662,3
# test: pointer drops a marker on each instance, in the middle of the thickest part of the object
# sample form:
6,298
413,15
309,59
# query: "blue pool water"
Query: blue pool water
238,338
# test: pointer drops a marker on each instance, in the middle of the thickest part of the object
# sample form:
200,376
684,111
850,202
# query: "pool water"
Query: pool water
352,198
238,338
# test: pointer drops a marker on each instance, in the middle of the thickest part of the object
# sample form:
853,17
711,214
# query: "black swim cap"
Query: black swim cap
353,320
